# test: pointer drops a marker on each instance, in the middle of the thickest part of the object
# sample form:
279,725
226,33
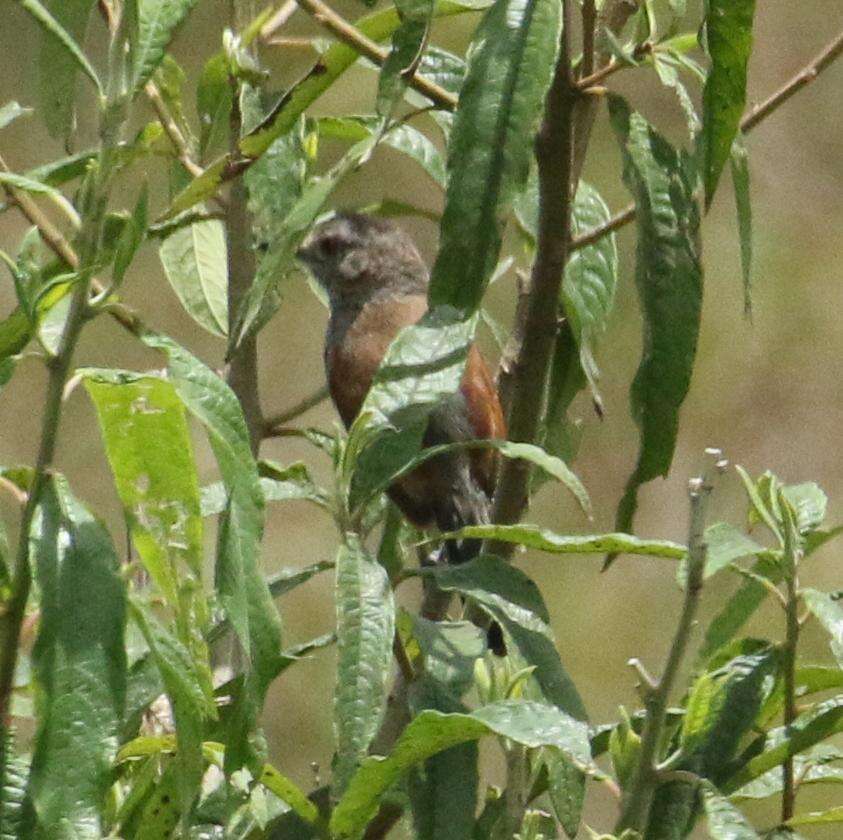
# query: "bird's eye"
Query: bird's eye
330,246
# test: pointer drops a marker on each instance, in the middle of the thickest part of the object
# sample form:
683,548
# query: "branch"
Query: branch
754,117
554,153
638,796
354,38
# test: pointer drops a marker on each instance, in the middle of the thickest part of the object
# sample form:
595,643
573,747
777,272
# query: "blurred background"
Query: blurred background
767,391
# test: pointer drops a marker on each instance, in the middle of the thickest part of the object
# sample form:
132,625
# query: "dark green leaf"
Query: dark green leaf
566,787
158,21
61,171
408,43
64,23
242,587
14,771
275,183
513,600
195,261
527,723
365,630
213,103
725,821
510,66
131,239
815,725
728,28
668,276
422,367
739,160
79,664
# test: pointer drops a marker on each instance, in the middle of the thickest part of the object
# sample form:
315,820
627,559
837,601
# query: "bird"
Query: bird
376,283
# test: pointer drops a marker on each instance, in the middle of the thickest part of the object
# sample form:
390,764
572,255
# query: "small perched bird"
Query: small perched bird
377,284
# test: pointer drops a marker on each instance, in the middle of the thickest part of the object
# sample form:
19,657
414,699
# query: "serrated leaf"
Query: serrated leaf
514,601
543,539
241,585
158,21
668,277
64,23
527,723
728,28
79,665
195,260
739,162
408,42
510,65
14,771
365,630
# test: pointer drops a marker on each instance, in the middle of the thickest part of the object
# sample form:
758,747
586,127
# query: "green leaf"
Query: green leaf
289,792
14,771
189,688
275,183
514,601
527,723
79,665
588,288
543,539
291,484
624,749
58,172
722,707
667,67
832,815
262,299
815,725
130,239
668,276
213,104
740,607
365,630
64,23
158,21
739,161
195,260
151,455
728,28
829,613
449,650
408,43
11,111
331,65
241,585
816,766
422,367
809,503
510,65
27,184
566,787
725,545
725,821
401,137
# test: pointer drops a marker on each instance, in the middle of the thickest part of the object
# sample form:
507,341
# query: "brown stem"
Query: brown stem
554,148
589,27
171,129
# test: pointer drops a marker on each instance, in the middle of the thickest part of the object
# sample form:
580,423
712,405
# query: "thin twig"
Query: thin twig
754,117
589,28
273,424
638,795
354,38
171,129
278,20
